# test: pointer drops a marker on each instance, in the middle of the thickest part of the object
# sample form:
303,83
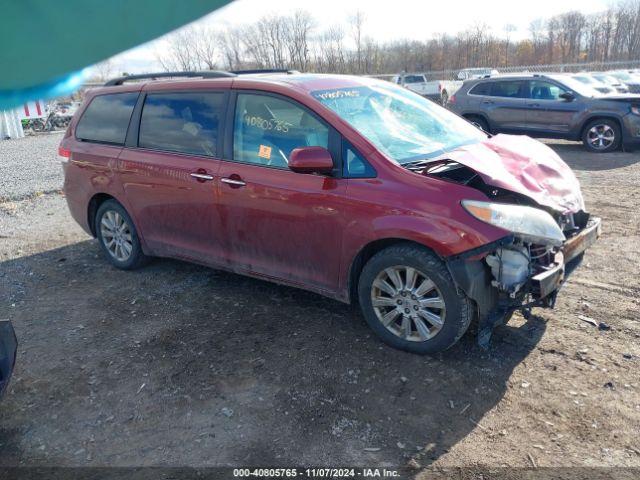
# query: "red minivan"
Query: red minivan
350,187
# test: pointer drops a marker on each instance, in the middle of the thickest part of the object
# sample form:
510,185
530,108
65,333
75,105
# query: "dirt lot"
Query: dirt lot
178,364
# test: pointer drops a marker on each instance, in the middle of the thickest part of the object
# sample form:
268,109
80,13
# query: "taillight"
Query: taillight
63,154
439,87
452,99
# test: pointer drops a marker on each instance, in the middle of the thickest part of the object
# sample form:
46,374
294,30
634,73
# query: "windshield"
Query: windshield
403,125
577,86
624,76
587,80
607,79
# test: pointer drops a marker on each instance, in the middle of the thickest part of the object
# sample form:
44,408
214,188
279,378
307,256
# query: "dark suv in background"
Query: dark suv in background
551,106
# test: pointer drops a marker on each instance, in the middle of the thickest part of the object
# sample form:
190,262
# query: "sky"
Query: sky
384,21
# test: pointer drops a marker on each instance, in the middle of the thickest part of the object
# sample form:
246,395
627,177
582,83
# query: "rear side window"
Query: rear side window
267,129
508,89
413,79
106,119
181,122
483,88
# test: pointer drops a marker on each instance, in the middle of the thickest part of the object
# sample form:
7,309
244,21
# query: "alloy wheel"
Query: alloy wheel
408,303
601,136
116,235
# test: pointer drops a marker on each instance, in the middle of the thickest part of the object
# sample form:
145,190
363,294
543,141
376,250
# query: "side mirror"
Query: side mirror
568,96
311,160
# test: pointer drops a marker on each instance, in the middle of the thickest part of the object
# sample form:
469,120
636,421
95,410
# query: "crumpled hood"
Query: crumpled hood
523,165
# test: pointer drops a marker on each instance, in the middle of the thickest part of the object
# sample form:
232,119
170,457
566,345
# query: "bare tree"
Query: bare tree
180,54
292,41
330,56
536,33
103,70
509,28
206,48
357,23
231,50
297,36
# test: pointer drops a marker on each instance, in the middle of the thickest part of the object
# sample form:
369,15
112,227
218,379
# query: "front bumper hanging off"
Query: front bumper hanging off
471,275
549,282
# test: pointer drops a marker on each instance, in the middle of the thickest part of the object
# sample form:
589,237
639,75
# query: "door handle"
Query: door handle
533,104
488,102
233,182
202,177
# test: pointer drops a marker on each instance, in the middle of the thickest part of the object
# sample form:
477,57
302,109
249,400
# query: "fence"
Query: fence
557,67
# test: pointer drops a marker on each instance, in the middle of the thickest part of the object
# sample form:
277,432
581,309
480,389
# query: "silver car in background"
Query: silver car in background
629,79
592,82
611,81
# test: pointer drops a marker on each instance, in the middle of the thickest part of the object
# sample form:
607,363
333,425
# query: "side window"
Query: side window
353,164
181,122
267,129
541,90
508,89
483,88
106,119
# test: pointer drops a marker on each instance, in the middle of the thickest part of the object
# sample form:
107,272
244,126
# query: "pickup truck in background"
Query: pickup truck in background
438,91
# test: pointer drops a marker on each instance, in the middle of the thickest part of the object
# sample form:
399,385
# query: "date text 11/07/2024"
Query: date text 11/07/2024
315,473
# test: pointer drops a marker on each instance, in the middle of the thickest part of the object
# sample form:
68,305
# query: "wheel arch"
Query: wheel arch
368,251
93,206
469,116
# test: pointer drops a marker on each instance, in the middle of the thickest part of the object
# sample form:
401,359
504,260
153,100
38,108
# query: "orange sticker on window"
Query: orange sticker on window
264,152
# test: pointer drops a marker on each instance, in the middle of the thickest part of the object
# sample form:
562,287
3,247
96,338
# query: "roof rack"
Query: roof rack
153,76
264,70
205,74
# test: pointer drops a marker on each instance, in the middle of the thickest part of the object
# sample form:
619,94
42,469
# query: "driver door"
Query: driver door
277,223
546,110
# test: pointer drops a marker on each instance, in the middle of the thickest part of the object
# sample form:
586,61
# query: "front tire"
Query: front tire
118,236
410,301
602,135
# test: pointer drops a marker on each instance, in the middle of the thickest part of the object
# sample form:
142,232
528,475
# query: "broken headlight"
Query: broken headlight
528,223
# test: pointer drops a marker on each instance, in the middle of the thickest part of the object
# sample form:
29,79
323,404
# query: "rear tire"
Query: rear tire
423,311
118,236
479,122
602,136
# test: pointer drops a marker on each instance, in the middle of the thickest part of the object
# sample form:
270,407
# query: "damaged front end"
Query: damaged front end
515,274
536,199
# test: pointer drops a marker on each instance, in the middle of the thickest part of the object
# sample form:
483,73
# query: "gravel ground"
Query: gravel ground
30,166
177,364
